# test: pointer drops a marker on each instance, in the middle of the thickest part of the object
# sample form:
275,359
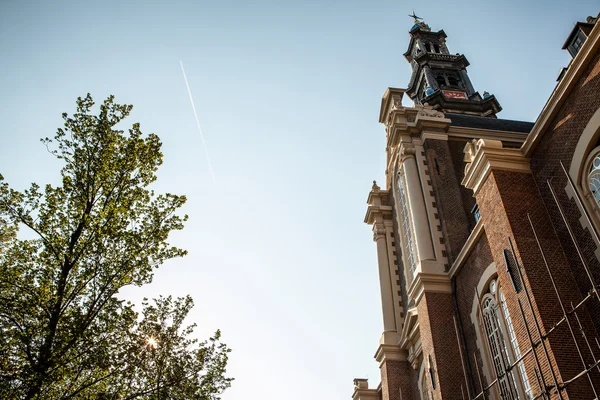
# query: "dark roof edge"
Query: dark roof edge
496,124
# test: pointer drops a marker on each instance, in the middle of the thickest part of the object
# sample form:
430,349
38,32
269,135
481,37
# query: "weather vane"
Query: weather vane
413,15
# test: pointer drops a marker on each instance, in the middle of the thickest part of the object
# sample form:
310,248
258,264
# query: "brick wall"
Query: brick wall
505,200
438,340
398,381
559,144
453,219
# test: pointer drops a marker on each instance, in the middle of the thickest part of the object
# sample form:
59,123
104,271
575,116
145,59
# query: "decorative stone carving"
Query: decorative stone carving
361,383
483,155
396,105
430,113
407,150
378,231
469,152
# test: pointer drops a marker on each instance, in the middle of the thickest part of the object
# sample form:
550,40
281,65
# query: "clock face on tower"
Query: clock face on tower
455,94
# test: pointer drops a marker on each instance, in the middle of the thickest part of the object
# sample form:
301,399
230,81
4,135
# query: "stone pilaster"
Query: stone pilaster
420,220
379,215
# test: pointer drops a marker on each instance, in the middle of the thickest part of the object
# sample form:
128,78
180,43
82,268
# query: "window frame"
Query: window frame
514,378
587,146
593,205
409,252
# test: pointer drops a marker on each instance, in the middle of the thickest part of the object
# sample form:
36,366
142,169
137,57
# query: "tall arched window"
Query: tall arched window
502,345
585,174
407,230
515,345
593,178
441,80
424,386
452,80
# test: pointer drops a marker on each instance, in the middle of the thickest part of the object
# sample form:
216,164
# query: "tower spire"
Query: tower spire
418,22
414,16
440,78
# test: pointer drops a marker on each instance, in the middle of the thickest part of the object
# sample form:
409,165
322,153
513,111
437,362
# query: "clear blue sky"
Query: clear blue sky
288,96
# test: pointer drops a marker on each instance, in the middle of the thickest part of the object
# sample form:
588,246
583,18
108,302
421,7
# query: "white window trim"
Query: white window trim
482,343
579,170
408,274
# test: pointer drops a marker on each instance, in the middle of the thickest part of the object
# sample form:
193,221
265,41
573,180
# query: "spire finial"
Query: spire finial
414,16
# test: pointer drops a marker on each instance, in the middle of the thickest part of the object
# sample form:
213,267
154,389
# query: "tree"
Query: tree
64,333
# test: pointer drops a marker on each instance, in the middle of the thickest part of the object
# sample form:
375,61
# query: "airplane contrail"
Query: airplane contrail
197,122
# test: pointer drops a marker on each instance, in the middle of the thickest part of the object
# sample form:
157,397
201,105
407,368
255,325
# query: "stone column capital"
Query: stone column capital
407,150
379,231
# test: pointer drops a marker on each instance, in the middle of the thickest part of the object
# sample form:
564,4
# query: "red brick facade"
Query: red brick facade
446,346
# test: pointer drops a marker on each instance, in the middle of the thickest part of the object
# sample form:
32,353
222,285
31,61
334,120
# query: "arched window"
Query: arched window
441,81
428,47
498,348
513,384
593,177
452,80
436,47
584,172
407,229
424,386
515,345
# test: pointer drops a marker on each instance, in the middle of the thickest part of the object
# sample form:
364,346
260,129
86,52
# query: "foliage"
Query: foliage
64,333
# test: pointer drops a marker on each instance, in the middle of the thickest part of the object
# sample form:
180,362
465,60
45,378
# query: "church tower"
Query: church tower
439,78
463,273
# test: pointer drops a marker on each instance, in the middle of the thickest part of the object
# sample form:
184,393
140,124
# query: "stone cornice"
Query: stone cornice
375,210
427,282
362,391
483,156
467,248
472,133
428,118
365,394
392,98
391,352
457,61
422,121
577,67
433,135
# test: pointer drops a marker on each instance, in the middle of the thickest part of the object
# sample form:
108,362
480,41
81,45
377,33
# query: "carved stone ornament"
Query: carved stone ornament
469,152
407,150
379,231
397,104
361,383
430,113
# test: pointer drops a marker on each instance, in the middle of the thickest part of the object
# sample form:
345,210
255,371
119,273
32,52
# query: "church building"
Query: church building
487,234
